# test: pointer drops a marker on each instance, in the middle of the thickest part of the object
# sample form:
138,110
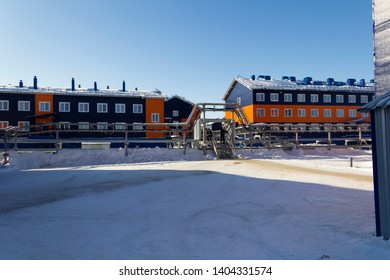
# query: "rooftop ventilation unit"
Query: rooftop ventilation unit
351,82
20,83
362,82
330,82
307,80
123,86
95,86
318,83
253,77
260,77
267,77
284,78
292,78
73,85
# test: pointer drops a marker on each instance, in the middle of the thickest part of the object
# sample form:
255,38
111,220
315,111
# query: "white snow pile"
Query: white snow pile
164,204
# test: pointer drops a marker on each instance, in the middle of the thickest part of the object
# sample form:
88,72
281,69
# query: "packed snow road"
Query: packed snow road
235,209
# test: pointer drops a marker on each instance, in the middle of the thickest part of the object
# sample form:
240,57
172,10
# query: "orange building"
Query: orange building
289,101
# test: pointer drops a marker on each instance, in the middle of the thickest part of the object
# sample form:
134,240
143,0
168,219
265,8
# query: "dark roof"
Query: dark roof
382,101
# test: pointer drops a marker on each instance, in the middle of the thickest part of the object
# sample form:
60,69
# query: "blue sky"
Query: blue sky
192,48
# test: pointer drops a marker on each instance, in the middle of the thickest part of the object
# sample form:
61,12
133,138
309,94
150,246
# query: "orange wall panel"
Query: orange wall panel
154,105
308,118
43,98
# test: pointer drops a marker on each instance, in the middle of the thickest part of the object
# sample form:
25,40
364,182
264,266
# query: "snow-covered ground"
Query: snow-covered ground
162,204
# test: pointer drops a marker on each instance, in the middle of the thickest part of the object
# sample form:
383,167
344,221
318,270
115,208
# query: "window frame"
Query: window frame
138,108
22,106
102,107
2,103
44,106
64,107
82,106
119,107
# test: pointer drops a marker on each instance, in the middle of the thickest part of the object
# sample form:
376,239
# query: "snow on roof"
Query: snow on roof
179,97
297,86
83,91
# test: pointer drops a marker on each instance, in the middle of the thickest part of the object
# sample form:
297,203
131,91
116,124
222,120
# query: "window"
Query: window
274,112
238,101
327,113
364,99
288,112
339,98
340,113
327,98
175,113
120,108
102,108
352,113
364,114
120,126
83,107
260,96
314,98
352,98
102,126
301,113
137,108
64,107
155,117
4,105
314,113
274,97
23,105
138,126
260,112
24,126
4,124
64,125
84,125
44,106
287,97
301,97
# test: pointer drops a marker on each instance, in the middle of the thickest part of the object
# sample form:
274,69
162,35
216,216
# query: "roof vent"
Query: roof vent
351,82
260,77
292,78
284,78
362,82
73,85
253,77
35,82
307,80
267,77
124,86
330,82
95,86
20,83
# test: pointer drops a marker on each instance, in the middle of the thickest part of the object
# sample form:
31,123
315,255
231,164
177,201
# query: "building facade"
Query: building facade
288,101
104,110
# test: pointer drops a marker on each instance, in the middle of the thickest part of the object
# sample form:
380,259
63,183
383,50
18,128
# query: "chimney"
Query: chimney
124,86
73,85
35,82
108,87
95,86
20,83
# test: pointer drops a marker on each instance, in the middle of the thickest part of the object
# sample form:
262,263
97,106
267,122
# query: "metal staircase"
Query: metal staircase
241,116
223,144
